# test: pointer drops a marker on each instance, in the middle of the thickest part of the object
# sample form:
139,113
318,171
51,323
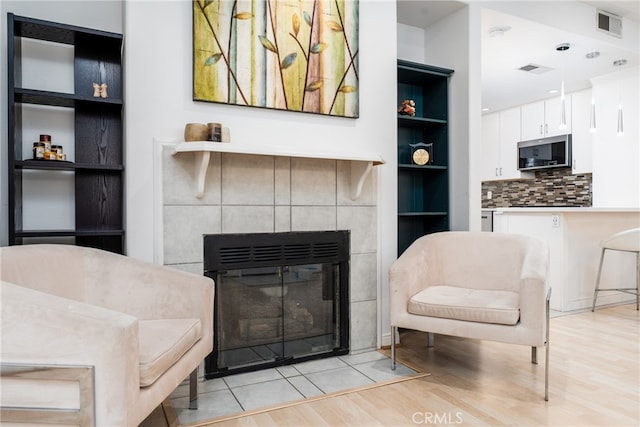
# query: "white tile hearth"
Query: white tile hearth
244,392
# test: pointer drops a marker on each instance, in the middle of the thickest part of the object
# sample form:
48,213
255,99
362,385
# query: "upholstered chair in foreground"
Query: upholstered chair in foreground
117,334
486,286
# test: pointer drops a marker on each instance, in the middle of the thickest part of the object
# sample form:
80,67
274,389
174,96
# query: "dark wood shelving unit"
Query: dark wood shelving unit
423,190
98,169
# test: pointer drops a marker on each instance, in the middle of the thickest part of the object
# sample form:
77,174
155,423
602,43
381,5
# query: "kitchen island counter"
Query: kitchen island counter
574,235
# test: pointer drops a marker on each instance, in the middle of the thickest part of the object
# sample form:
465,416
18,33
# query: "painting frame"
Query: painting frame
293,55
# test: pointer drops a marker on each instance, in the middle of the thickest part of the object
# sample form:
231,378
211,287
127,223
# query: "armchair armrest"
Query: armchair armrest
534,285
147,291
409,274
39,328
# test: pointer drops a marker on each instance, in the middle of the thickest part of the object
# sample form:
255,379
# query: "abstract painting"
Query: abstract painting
295,55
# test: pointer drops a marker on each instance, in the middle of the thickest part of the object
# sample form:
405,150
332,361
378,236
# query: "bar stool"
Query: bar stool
626,241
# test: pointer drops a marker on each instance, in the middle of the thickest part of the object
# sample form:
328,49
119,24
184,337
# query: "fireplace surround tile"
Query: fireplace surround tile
362,282
313,218
368,197
183,239
247,180
364,315
247,219
282,218
313,182
178,178
362,221
282,178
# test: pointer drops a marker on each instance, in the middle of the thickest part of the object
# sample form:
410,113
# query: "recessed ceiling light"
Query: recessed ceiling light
552,91
592,55
485,109
498,31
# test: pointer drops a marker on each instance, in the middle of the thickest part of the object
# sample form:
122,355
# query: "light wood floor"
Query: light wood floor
594,381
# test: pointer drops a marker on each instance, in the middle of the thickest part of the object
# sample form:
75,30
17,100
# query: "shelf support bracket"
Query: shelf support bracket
360,170
200,165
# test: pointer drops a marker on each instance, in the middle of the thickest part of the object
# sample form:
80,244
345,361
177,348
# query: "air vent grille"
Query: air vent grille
534,69
609,23
232,251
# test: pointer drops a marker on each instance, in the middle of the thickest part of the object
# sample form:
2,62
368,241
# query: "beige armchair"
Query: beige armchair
140,328
487,286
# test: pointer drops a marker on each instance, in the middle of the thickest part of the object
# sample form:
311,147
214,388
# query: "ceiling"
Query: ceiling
529,42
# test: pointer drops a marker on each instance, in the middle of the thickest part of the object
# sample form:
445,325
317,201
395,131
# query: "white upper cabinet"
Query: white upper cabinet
490,146
500,136
542,119
582,139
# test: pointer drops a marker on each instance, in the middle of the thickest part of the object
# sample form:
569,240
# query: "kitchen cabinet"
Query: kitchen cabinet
423,189
542,119
582,138
500,136
93,173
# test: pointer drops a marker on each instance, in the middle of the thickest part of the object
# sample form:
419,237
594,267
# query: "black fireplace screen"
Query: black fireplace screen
280,298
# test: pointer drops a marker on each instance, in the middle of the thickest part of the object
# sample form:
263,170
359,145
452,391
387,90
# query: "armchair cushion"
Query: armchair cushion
474,305
162,343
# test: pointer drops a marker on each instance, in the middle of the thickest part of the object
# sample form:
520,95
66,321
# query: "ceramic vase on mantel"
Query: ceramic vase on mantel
196,132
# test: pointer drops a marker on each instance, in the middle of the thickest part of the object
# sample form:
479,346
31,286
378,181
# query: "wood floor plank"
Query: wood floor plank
594,381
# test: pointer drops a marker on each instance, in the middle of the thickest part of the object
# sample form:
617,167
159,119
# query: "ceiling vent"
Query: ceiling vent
609,23
534,69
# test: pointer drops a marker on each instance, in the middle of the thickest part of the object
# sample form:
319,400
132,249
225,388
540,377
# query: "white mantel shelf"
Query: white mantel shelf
361,162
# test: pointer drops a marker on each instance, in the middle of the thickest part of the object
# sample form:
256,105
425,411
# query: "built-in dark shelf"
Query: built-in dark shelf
57,99
98,146
419,122
422,168
53,31
423,190
422,213
56,165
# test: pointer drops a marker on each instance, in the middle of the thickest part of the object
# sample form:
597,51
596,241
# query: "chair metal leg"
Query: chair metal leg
193,389
595,292
546,354
431,339
393,348
638,281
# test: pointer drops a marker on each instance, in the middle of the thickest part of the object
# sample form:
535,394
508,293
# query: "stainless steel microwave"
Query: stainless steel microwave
551,152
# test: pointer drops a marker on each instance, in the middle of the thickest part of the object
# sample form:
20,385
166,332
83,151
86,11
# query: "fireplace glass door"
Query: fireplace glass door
280,298
276,314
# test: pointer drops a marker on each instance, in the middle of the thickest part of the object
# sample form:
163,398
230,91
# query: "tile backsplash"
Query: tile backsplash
550,187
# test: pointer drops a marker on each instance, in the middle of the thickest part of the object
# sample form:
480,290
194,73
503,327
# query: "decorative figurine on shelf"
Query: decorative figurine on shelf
421,153
100,91
408,108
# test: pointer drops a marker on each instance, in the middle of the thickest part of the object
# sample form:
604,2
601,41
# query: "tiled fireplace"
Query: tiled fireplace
268,194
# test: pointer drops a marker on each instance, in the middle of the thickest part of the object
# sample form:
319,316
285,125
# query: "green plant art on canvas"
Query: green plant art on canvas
296,55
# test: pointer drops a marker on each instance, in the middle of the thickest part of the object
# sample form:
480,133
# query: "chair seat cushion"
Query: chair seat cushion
162,343
474,305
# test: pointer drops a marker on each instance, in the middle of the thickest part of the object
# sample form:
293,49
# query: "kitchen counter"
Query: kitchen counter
564,209
574,236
